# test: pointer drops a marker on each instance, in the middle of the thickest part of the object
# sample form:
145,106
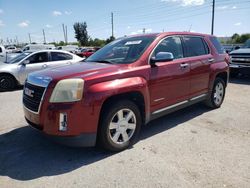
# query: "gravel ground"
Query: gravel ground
194,147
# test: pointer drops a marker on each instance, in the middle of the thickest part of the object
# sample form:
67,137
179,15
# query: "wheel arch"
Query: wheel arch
224,76
134,96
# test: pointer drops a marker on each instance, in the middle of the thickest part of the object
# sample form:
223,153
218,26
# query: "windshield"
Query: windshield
18,58
122,51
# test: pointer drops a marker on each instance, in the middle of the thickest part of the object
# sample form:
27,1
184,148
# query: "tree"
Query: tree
243,38
235,36
81,33
110,39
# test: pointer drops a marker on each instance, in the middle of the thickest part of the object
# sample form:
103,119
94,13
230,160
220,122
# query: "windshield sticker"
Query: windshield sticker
133,42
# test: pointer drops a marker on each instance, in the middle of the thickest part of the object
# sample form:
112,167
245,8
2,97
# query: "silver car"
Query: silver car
15,71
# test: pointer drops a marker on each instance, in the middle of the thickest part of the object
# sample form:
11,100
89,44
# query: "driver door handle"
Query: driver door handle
184,65
45,66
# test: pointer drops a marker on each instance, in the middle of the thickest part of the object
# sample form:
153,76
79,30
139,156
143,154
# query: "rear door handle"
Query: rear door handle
184,65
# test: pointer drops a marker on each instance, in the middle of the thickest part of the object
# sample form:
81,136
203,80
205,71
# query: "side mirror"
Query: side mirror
162,57
25,62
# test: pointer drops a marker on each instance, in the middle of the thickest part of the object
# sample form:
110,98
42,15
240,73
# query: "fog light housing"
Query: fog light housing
63,122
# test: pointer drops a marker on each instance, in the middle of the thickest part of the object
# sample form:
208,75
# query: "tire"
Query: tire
7,82
216,97
115,132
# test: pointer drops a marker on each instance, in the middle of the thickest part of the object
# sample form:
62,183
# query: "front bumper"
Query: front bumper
81,123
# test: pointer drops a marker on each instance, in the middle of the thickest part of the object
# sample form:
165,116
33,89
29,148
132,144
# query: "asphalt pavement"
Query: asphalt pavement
194,147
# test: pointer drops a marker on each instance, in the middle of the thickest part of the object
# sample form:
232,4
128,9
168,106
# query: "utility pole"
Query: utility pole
17,40
29,38
112,24
190,27
144,30
64,33
44,38
212,29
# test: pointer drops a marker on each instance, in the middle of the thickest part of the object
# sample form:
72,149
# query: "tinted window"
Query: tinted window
195,46
59,56
1,50
220,49
39,57
170,44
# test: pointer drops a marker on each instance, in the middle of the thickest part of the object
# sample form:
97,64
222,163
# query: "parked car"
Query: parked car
86,52
69,48
15,71
240,60
124,85
36,47
230,47
2,51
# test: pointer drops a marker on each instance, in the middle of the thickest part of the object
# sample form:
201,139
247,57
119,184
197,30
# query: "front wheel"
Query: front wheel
216,97
7,82
120,125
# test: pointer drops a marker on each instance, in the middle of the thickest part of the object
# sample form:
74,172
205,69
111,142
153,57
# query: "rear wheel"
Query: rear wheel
217,95
7,82
120,126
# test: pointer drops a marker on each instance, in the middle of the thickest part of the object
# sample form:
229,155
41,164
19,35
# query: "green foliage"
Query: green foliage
110,39
81,33
236,38
96,42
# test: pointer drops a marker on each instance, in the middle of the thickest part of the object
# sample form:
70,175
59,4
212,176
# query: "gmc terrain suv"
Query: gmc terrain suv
126,84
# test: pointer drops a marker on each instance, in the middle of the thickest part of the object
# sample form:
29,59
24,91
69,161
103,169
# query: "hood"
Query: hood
6,66
241,51
83,70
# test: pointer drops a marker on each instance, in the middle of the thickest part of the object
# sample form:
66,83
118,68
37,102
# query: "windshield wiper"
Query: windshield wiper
102,61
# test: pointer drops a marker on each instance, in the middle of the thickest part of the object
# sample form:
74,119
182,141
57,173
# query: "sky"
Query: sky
19,18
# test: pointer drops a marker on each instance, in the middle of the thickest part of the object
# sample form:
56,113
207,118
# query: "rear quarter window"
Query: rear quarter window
195,46
219,48
59,56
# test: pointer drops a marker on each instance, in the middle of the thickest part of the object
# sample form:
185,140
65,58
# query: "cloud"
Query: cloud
67,12
48,26
222,7
24,23
128,27
1,23
238,24
56,13
187,2
234,7
1,11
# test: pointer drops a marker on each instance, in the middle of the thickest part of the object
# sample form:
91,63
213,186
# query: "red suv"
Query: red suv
124,85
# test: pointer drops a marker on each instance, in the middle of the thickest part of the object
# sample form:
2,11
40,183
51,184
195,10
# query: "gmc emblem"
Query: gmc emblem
28,92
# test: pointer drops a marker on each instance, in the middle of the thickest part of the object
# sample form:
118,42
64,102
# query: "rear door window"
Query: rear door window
59,56
195,46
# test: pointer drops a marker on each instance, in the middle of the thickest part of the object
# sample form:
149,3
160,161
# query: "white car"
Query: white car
15,71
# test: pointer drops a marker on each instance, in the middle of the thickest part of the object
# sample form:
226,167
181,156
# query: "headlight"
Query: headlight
68,90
